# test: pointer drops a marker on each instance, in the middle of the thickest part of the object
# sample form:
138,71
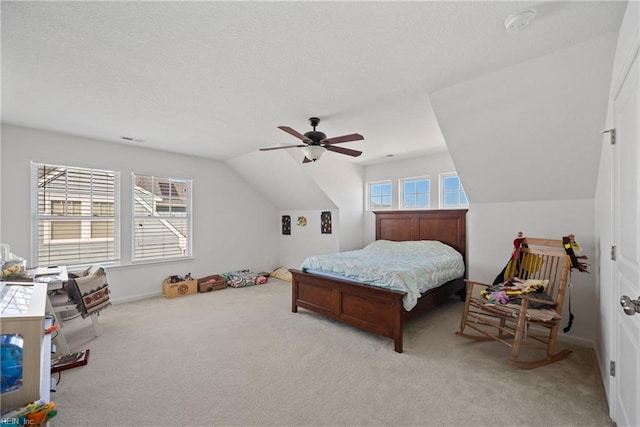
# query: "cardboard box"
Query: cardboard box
211,283
179,289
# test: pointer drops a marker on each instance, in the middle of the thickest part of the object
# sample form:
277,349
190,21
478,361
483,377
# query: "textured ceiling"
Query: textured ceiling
215,79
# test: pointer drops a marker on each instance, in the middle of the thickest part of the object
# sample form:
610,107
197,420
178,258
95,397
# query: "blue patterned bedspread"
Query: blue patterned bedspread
412,267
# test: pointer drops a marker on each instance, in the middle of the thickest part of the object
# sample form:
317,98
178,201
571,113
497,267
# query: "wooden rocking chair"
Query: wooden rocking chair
527,320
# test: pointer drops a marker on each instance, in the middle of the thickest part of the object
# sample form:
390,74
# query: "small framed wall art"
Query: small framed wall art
286,224
325,222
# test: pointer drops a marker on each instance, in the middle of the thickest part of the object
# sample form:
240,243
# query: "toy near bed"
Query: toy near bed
376,309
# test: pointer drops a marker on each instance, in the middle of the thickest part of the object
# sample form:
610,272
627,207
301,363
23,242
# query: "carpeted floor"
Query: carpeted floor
240,357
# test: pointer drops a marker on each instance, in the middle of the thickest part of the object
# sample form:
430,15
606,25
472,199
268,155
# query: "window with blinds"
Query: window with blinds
162,218
76,215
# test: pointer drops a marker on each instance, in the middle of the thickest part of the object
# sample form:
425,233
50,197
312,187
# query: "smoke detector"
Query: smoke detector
520,20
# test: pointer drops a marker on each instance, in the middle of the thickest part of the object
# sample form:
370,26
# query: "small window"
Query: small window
415,193
452,194
380,195
162,218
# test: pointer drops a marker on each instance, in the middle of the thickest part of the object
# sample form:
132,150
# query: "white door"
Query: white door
626,354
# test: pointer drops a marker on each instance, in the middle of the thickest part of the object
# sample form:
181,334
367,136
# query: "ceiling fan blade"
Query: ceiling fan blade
306,160
343,150
280,148
343,138
295,133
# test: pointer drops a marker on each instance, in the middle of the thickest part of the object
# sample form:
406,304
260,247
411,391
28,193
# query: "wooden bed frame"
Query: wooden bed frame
380,310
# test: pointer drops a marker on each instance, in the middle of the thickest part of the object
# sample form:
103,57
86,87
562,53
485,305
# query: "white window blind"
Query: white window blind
75,214
162,218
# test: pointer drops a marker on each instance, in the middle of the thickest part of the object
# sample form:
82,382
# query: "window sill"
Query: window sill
118,265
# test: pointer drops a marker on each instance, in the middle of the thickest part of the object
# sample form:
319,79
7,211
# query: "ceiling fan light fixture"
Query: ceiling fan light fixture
316,142
313,152
520,20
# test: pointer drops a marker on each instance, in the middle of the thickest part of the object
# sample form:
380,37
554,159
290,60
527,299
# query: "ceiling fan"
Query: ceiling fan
316,142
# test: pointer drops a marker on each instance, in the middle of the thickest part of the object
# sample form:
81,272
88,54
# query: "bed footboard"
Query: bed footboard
373,309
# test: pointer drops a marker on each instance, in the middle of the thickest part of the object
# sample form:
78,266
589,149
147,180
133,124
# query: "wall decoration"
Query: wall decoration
325,222
302,221
286,224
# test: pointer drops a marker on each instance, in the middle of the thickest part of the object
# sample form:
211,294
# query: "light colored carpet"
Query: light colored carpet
241,357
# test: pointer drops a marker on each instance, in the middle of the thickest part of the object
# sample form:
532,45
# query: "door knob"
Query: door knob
630,306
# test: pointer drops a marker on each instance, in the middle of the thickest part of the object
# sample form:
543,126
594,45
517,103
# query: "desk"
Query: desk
54,277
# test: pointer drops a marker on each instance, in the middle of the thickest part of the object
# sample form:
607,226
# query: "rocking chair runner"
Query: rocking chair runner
517,323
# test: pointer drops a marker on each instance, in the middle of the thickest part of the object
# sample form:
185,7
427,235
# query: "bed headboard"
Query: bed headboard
448,226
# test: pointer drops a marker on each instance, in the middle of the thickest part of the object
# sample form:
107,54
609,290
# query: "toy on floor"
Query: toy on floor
40,413
34,414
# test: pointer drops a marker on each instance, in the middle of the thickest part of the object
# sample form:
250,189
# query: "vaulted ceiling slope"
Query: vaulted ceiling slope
216,78
531,131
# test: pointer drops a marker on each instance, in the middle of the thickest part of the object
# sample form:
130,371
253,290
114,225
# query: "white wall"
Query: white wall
282,178
530,131
431,165
234,226
343,183
308,240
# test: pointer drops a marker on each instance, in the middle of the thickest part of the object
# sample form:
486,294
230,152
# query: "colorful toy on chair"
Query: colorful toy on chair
498,297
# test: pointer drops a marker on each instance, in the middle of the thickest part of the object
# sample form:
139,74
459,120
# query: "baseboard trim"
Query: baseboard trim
136,297
581,342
